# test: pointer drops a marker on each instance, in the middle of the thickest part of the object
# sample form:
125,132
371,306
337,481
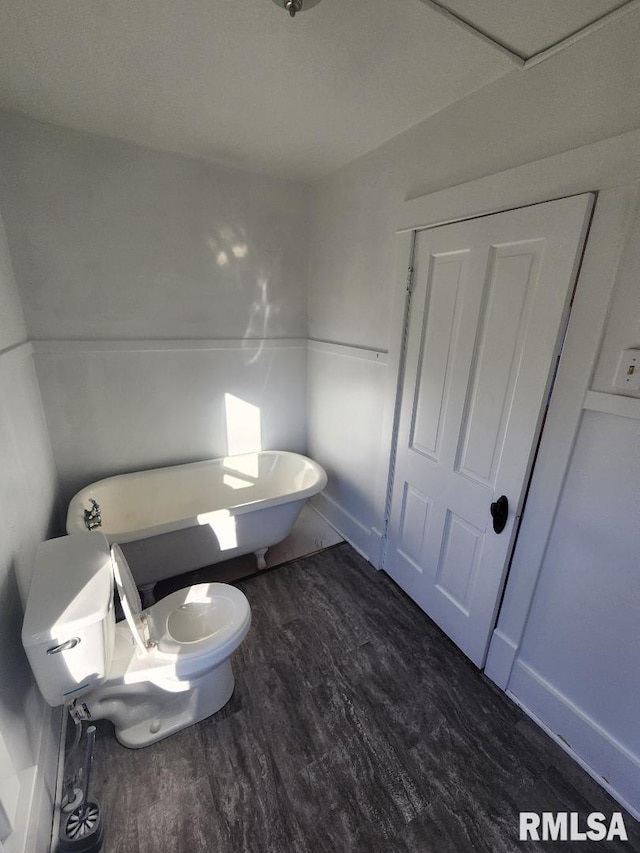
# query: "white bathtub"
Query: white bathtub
177,519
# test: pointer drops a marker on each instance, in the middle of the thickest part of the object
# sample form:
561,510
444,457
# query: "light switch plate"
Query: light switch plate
628,373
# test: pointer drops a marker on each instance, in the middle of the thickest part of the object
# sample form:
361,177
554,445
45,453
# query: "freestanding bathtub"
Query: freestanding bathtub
177,519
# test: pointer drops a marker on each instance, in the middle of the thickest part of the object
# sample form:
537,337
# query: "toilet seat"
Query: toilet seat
206,620
199,620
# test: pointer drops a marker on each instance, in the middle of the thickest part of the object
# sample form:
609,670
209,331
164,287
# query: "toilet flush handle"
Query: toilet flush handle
64,647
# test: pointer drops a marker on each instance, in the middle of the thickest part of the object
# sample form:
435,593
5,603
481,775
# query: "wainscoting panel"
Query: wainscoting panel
576,669
345,408
117,406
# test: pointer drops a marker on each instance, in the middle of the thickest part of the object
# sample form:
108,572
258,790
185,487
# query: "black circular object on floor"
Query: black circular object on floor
82,830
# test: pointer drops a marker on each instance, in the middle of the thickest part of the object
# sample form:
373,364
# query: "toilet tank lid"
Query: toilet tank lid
71,587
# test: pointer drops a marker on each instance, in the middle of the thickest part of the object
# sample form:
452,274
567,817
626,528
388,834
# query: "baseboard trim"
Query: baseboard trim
377,537
18,841
500,658
604,758
365,540
34,788
62,745
42,823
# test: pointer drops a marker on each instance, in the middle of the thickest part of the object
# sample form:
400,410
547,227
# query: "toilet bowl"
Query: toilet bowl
157,671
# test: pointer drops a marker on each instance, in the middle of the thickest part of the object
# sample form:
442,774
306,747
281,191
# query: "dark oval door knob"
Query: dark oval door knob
500,513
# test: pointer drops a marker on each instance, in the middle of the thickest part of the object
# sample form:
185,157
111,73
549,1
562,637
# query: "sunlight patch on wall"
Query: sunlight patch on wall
228,243
244,426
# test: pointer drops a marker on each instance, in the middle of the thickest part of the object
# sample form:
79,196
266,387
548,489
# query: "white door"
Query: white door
490,298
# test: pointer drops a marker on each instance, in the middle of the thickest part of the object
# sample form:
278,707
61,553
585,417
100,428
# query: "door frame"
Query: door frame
582,204
610,169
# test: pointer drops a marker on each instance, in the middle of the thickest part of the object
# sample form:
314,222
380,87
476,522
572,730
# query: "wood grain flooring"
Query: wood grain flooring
355,727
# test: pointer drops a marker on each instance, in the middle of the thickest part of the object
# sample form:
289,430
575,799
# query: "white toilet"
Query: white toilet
154,673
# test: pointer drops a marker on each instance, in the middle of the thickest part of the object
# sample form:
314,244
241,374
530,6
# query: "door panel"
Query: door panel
489,303
504,320
413,526
461,546
446,275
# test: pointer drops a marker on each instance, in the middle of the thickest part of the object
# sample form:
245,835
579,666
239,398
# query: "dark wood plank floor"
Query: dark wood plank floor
355,727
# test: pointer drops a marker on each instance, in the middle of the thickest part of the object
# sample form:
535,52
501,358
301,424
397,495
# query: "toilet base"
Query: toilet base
146,713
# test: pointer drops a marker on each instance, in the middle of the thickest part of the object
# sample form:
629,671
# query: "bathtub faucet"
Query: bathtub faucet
92,517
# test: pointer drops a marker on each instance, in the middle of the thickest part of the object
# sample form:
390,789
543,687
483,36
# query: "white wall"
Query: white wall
623,326
586,93
123,407
346,387
576,666
110,240
582,94
128,249
28,730
153,286
117,253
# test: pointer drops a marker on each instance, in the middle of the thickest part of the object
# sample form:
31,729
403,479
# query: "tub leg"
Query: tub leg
260,558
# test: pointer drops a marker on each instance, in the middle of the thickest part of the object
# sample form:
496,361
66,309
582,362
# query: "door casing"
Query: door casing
610,168
574,213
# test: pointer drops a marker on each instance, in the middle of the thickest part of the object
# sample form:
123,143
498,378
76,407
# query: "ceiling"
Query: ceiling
529,27
239,82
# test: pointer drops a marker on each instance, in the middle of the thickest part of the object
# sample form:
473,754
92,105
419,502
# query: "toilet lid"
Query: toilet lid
129,597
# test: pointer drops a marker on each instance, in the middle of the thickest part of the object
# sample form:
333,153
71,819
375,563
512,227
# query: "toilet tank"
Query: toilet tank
69,622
